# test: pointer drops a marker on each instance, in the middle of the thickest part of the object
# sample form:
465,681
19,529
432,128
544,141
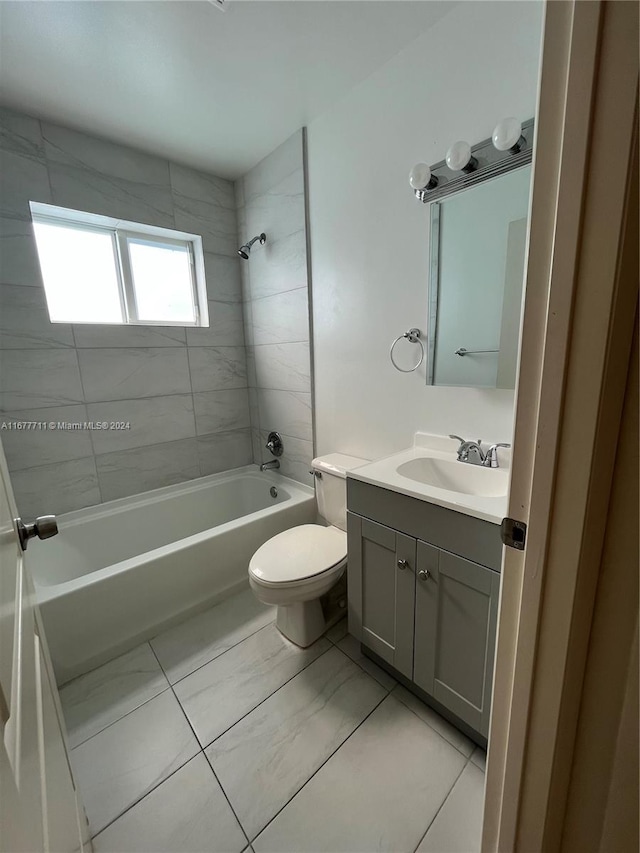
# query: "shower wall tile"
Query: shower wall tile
18,257
281,267
20,133
205,204
123,374
82,151
38,378
152,421
295,461
283,367
132,472
217,368
89,336
22,179
282,318
57,488
24,320
279,211
84,189
271,171
30,448
275,290
223,274
221,411
288,412
223,451
193,400
224,330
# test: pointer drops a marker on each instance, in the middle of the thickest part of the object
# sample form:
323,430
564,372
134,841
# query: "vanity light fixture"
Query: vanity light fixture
507,136
421,180
460,159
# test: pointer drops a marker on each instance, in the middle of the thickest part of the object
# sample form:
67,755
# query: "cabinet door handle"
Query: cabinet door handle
424,574
402,564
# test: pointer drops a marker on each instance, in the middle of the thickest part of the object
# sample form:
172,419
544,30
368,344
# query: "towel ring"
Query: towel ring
413,336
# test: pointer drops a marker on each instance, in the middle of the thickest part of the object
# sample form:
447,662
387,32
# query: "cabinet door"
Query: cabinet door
456,610
381,590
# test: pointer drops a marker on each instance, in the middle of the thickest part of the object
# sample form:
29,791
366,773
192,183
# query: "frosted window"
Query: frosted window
97,269
162,282
79,273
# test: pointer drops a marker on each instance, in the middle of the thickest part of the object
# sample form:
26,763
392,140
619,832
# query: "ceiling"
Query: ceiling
214,89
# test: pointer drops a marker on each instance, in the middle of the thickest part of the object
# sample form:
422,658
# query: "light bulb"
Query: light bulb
459,157
420,177
507,135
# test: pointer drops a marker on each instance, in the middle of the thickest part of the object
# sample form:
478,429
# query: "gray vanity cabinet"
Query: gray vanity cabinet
455,626
423,587
384,589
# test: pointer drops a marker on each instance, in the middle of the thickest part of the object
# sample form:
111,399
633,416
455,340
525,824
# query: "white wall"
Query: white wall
369,249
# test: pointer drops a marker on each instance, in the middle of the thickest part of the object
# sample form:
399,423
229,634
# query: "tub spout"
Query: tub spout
273,463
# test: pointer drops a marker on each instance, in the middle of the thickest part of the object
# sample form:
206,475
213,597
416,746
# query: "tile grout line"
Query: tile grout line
455,782
262,701
327,759
164,689
202,752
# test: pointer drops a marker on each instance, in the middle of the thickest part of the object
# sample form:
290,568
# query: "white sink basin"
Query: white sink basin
460,477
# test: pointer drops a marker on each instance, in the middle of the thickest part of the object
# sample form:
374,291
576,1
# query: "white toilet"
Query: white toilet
295,568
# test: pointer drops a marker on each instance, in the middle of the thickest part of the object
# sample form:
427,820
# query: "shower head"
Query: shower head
245,250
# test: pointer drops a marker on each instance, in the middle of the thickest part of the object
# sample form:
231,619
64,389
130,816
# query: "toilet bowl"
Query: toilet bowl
294,569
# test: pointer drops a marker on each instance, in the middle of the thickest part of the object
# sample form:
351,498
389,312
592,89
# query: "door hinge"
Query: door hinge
513,533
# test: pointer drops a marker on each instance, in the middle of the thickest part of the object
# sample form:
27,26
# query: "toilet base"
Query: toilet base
302,622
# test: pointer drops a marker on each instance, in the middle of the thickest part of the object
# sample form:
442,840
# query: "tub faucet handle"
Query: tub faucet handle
274,443
44,527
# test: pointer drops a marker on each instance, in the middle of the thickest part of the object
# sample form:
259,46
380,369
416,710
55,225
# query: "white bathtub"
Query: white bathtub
121,572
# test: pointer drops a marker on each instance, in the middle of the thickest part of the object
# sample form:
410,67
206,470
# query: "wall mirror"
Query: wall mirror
477,240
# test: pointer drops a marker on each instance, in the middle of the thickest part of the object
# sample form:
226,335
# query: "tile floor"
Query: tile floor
219,735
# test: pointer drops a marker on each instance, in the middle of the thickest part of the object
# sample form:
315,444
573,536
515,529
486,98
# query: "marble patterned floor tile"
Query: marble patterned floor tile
225,327
24,320
457,827
224,280
125,761
338,631
351,647
188,813
223,691
93,701
432,718
202,638
479,758
380,791
269,755
22,178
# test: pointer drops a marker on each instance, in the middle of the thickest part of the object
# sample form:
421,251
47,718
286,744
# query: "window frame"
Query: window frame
122,233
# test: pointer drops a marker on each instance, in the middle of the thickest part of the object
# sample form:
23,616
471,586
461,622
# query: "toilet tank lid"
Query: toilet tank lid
337,464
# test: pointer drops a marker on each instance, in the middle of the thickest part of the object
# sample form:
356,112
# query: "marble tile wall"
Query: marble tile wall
184,391
276,298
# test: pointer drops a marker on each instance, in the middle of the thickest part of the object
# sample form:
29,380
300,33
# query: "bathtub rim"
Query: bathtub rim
298,492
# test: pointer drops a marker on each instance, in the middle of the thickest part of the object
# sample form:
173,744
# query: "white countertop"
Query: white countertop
383,472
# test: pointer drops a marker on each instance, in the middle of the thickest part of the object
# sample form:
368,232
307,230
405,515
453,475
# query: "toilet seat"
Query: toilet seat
298,556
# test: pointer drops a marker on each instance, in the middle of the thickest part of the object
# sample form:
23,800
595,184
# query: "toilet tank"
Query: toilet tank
331,486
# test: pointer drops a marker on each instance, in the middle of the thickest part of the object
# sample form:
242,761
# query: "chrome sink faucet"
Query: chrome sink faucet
472,452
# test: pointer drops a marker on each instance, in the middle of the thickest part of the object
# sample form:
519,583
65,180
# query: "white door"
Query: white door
39,806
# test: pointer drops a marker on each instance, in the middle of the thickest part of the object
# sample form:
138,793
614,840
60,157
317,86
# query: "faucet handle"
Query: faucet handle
457,438
491,458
